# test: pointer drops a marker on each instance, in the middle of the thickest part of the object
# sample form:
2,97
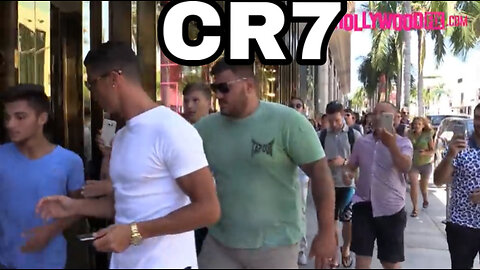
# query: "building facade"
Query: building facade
45,42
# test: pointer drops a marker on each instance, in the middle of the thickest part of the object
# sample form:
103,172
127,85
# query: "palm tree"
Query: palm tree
368,75
462,39
407,58
387,49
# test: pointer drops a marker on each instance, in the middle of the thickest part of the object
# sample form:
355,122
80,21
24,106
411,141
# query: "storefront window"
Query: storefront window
87,116
172,78
34,43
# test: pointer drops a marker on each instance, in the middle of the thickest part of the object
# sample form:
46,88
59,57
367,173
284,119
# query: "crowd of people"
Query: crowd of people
227,189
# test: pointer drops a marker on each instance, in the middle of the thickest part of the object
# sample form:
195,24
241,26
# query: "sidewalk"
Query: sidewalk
425,239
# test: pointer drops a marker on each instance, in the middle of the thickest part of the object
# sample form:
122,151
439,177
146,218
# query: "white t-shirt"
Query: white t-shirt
149,153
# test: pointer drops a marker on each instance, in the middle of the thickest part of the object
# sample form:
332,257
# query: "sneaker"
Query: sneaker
302,258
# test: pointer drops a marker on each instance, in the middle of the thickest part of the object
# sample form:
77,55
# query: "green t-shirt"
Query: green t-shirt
254,161
421,144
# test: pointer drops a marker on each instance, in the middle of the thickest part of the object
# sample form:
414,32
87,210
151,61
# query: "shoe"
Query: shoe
302,258
347,261
425,205
414,213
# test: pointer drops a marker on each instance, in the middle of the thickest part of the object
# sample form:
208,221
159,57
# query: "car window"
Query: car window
436,119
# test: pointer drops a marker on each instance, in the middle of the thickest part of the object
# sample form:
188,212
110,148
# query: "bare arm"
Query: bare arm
105,168
431,148
323,192
204,209
98,208
401,161
444,171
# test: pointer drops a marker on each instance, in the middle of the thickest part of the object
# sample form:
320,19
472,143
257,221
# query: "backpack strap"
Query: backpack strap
351,138
323,136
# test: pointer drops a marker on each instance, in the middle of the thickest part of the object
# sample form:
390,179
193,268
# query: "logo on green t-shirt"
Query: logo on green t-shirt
262,148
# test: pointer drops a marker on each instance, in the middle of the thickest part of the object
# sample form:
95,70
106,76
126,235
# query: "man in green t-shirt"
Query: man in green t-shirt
253,149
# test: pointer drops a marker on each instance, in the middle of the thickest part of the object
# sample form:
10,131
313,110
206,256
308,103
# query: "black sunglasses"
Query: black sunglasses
297,106
224,88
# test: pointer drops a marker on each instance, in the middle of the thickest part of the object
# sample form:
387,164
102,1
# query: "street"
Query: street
425,239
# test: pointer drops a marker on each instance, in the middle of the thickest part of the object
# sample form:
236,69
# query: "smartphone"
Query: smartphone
386,122
108,131
460,131
86,237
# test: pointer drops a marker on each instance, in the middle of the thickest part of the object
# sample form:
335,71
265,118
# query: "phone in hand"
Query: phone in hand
459,131
88,237
386,122
108,131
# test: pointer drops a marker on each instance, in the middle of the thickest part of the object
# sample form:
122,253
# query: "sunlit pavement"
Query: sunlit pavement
425,238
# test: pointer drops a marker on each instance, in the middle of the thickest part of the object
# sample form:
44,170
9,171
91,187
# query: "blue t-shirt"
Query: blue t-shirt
23,182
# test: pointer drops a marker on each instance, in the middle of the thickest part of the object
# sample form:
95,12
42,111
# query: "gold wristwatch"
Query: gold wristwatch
135,238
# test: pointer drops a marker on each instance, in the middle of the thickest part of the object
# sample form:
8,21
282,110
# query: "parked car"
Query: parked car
445,133
436,120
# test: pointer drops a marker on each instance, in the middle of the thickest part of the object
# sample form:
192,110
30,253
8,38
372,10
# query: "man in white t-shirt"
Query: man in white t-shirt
163,188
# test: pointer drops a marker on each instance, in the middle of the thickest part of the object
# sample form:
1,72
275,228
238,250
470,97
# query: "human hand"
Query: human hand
97,188
115,238
56,207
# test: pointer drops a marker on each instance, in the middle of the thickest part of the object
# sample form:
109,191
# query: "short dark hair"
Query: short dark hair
324,116
33,94
112,56
201,87
245,71
334,107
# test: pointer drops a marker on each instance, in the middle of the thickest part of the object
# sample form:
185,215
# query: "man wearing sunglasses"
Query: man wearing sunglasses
163,189
254,149
351,120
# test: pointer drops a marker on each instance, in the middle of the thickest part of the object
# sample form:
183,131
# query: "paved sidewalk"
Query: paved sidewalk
425,239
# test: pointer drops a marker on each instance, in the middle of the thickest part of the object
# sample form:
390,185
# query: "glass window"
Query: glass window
87,117
172,78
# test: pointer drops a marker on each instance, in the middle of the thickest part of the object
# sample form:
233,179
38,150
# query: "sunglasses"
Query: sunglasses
224,88
296,106
91,84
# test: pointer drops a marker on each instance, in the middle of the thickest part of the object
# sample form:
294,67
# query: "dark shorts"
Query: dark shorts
388,231
343,203
200,235
464,245
424,170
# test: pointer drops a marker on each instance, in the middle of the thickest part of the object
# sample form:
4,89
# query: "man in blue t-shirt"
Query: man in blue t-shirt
31,168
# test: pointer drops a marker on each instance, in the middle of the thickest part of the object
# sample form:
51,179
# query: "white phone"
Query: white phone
386,121
108,131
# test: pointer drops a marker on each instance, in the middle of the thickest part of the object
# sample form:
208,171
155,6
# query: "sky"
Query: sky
450,70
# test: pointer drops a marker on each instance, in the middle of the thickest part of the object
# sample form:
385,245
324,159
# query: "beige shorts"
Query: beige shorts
215,256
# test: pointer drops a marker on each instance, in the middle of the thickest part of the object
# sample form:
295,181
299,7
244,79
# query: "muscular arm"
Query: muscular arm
105,168
444,171
323,193
204,209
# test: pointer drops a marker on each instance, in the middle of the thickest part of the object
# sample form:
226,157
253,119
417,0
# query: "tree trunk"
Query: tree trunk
407,59
387,90
421,58
399,89
399,77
